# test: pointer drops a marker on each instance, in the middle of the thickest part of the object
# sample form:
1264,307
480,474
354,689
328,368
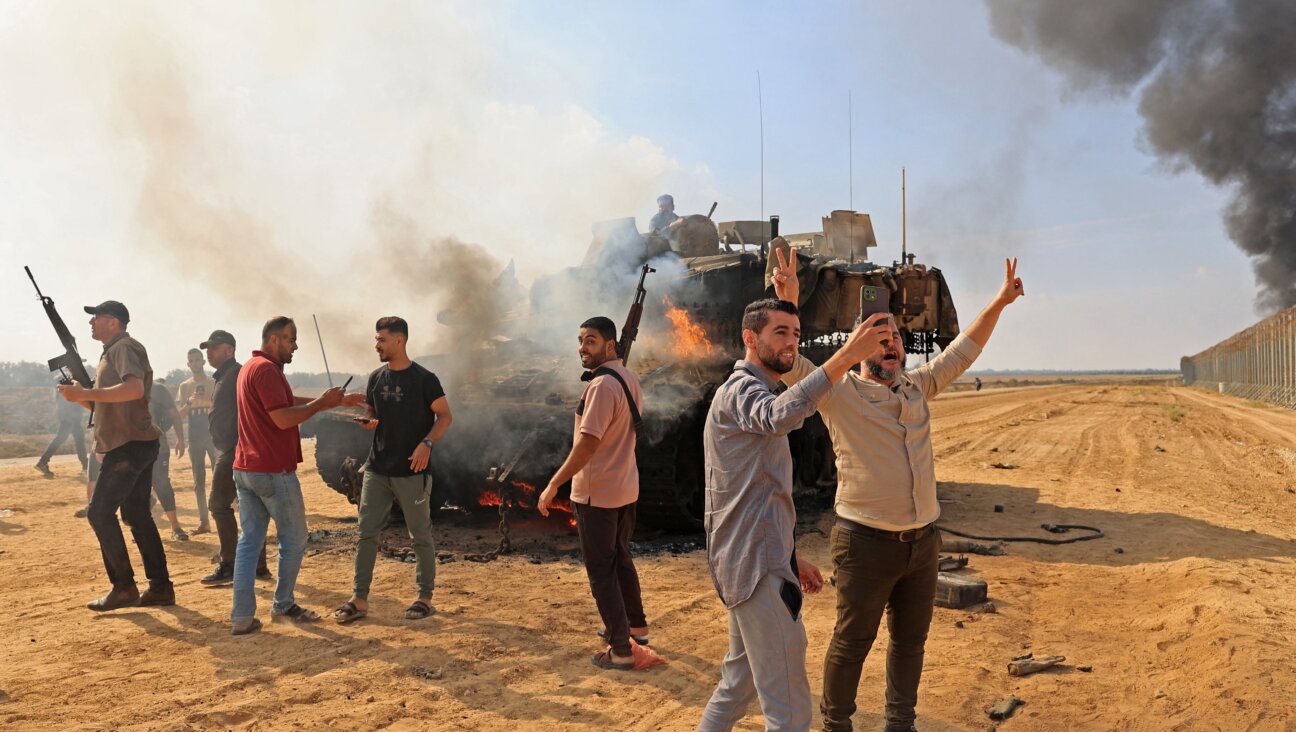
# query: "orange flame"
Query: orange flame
527,499
689,339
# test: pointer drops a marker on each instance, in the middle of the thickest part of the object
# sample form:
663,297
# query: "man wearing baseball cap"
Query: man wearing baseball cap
223,423
126,436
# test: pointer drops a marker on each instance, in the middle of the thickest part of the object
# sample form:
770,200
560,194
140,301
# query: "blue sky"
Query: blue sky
513,125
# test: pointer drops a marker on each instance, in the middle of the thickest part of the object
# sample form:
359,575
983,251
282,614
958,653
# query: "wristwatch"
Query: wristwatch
428,443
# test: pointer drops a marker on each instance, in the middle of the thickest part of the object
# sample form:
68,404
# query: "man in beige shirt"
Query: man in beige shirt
605,488
885,544
195,401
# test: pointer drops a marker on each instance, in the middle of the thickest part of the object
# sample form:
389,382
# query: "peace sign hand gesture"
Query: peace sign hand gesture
786,285
1012,286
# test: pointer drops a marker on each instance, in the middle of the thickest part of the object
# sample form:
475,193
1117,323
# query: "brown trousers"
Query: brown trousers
605,548
874,574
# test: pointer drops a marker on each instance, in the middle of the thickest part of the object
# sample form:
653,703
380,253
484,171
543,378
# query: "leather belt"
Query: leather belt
906,536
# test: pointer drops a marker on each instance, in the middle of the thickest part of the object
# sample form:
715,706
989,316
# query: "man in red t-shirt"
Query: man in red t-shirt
265,472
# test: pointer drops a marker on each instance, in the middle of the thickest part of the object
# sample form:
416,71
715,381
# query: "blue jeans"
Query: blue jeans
265,496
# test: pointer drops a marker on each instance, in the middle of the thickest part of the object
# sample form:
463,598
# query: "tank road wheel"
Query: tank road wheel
672,480
335,441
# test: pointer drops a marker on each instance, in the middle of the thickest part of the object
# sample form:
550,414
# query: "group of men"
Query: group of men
884,543
251,416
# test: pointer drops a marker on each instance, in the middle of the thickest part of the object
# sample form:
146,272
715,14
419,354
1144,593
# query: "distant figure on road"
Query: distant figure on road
978,383
69,425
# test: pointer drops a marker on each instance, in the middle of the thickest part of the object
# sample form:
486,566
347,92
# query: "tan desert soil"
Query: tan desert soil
1190,626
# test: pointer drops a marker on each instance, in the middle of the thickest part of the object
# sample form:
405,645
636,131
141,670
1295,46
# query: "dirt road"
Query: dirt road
1185,611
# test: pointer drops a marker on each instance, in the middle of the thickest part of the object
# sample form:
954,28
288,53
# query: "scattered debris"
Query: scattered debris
989,608
951,564
1118,490
998,508
1118,550
1160,694
1030,665
994,449
1002,466
964,546
6,512
1158,448
428,674
953,591
319,535
1004,709
958,623
1086,668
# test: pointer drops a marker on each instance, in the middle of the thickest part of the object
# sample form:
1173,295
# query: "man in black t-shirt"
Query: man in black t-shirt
408,413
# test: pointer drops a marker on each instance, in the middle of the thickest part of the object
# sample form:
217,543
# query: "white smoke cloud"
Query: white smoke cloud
233,156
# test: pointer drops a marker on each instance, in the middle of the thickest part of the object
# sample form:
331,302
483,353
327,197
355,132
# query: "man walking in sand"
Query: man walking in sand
162,408
265,472
128,439
605,489
408,414
750,517
69,425
885,543
195,399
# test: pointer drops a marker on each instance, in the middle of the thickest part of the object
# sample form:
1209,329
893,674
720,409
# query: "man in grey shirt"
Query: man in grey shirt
750,516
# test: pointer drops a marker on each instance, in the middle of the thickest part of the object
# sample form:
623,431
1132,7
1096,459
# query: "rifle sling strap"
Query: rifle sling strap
636,420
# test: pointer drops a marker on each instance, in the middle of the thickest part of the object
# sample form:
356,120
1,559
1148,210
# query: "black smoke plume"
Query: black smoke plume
1216,82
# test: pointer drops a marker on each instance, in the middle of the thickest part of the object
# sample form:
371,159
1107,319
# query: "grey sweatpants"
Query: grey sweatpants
766,661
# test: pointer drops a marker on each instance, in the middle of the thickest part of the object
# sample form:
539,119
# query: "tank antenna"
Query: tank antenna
760,105
850,147
322,353
904,230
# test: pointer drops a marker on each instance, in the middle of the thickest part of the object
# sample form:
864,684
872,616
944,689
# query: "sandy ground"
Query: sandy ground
1188,626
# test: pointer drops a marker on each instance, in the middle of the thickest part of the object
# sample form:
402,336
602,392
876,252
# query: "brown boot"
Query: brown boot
158,595
124,596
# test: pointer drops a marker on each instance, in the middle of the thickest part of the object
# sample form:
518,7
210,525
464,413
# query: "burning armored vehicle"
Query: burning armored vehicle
515,389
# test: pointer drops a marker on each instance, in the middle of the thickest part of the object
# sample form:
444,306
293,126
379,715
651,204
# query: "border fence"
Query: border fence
1258,363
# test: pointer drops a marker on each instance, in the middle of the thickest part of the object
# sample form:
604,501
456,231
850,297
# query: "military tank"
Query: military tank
514,390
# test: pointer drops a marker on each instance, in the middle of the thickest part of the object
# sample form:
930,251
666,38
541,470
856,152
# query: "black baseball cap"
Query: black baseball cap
217,336
110,307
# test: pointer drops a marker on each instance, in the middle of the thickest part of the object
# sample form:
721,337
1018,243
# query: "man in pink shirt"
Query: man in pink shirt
605,486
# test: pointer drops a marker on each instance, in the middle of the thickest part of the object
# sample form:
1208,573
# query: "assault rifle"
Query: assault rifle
69,365
630,330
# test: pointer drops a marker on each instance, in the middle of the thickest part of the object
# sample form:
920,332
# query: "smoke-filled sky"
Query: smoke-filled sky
212,165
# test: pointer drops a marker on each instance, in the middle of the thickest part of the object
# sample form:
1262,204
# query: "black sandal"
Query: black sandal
604,661
299,614
419,610
348,612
